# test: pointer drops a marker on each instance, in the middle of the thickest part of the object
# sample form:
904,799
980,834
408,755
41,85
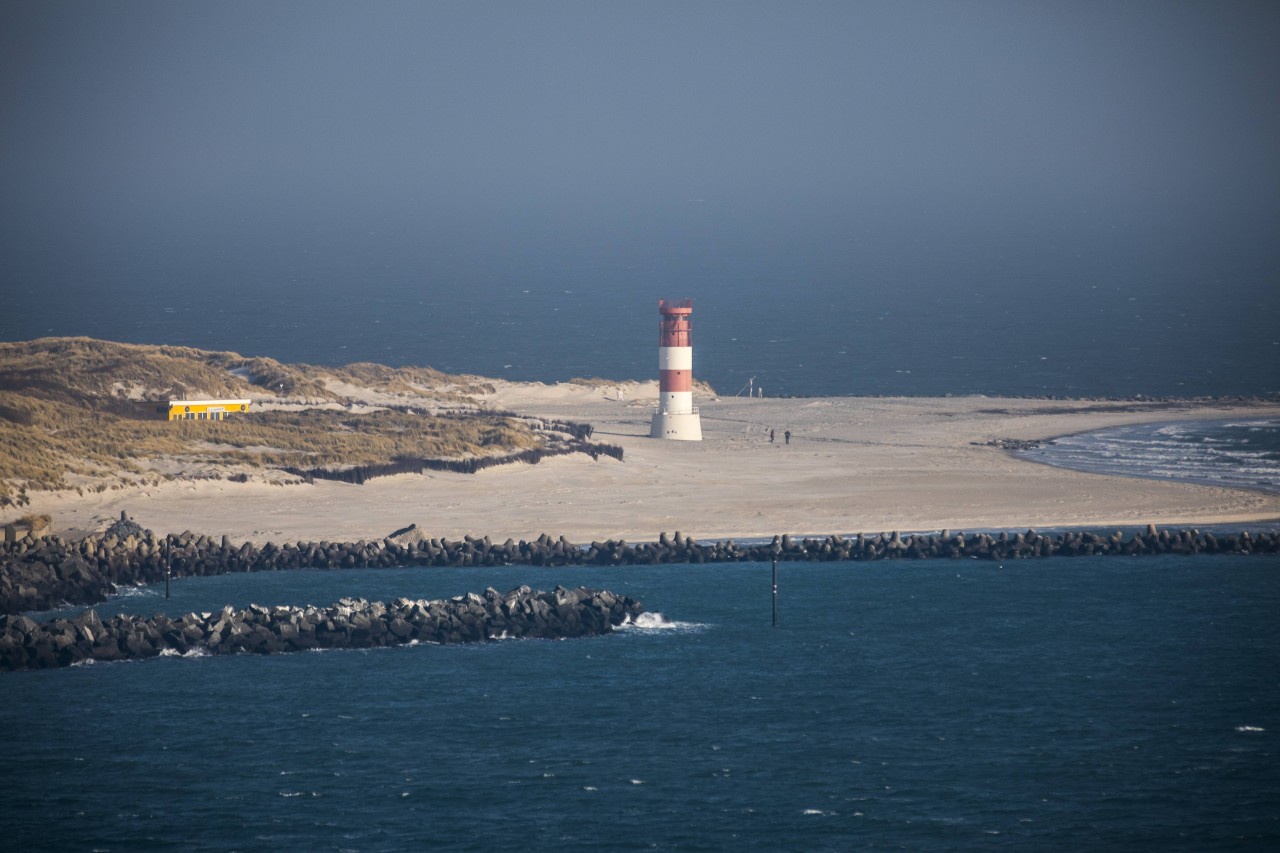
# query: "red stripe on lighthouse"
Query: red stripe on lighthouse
675,380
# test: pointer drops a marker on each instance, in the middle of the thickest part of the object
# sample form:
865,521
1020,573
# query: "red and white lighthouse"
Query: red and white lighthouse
676,417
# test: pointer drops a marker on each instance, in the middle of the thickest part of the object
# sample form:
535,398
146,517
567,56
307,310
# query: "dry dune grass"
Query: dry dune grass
84,369
700,387
69,410
89,371
407,380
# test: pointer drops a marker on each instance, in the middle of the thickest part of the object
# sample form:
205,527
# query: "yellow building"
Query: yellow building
203,410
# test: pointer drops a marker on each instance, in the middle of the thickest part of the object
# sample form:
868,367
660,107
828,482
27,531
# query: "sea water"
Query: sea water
1055,704
1060,704
786,332
1240,453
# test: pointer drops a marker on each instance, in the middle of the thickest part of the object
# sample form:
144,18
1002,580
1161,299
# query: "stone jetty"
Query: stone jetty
45,572
349,624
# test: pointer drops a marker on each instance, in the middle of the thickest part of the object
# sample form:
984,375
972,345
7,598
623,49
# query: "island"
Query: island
571,459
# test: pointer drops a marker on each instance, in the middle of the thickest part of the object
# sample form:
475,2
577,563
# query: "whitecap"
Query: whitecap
652,622
1188,451
1250,729
135,592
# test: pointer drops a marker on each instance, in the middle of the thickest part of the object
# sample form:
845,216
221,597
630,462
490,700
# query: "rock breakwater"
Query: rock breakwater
350,623
46,572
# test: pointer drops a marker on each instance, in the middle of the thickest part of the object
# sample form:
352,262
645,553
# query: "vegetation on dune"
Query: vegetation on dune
66,440
407,380
284,380
70,416
85,370
595,382
104,374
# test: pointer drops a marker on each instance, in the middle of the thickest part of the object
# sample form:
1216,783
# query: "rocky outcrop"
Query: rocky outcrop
1011,443
351,623
359,474
43,573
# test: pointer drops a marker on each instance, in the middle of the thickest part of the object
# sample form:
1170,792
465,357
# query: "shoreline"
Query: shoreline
1099,464
855,465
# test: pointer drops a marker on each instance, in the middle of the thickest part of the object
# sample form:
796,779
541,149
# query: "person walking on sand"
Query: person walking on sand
787,435
771,436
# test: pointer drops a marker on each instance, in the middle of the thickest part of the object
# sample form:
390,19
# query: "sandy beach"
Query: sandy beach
853,465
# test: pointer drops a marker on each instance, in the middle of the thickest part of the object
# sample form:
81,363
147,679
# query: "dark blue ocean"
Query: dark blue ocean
1058,704
801,330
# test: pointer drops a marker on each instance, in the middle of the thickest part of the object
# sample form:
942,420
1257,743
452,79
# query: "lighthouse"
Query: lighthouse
676,417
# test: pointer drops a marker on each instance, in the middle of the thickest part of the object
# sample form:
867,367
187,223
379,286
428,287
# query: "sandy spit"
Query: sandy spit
853,465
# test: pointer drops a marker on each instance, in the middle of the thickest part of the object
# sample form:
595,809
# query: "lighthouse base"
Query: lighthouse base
681,427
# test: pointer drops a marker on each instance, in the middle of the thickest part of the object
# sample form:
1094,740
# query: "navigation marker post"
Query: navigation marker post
775,592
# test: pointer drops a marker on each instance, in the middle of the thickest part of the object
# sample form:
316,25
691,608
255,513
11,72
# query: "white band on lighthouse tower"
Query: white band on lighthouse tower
675,358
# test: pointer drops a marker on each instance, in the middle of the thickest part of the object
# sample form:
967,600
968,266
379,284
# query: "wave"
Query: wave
654,622
1239,454
96,662
140,591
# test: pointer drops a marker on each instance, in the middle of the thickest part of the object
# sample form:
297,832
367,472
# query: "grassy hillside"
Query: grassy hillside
71,416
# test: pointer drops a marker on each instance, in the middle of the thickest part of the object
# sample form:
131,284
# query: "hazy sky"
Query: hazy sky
870,144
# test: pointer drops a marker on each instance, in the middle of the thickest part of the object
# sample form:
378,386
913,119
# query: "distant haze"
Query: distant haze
861,197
